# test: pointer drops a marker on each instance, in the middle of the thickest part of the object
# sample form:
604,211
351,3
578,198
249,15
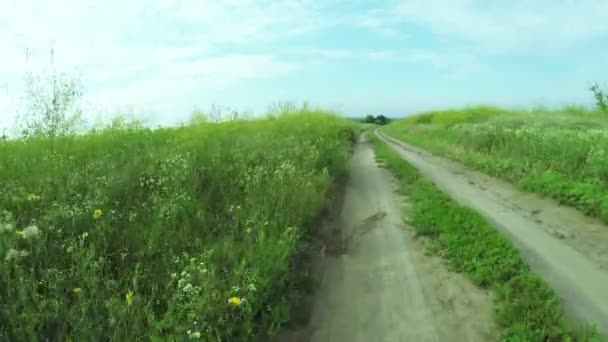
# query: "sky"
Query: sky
160,59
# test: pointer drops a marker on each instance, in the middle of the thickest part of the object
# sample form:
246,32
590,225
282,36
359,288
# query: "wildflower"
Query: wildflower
33,197
129,297
28,232
6,227
236,301
14,254
97,214
11,254
77,290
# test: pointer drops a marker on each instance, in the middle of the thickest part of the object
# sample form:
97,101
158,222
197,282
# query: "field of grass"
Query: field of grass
171,234
527,309
562,154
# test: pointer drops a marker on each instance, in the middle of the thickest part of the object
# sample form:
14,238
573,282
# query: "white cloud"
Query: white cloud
382,21
171,90
511,26
160,55
135,51
449,63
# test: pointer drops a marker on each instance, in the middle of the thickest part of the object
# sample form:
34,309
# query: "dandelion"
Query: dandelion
77,290
97,214
236,301
129,297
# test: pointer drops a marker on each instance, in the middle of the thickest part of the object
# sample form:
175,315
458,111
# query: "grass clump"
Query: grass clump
562,154
527,309
170,234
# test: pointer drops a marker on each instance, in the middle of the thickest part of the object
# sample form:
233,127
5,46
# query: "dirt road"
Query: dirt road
568,249
381,286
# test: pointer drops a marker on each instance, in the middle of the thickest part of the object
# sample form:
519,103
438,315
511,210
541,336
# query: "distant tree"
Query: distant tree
369,119
52,103
381,120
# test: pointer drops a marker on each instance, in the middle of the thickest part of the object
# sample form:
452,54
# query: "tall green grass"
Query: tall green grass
562,154
527,309
171,234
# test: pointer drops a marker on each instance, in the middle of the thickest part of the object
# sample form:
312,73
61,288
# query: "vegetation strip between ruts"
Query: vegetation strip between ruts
526,308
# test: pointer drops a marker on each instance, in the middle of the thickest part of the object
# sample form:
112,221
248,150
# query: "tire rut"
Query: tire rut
566,248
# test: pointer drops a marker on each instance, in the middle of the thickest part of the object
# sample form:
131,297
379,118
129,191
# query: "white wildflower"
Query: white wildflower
30,232
14,254
6,227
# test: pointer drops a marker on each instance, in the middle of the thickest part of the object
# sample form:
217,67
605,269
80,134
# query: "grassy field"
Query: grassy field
561,154
527,309
170,234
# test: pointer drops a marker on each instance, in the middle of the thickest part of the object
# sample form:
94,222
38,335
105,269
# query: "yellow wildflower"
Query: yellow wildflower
33,197
129,297
97,214
236,301
77,290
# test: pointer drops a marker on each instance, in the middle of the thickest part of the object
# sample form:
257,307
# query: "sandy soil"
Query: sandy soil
564,246
379,285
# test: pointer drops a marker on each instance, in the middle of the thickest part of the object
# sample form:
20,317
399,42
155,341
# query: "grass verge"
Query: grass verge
165,235
526,308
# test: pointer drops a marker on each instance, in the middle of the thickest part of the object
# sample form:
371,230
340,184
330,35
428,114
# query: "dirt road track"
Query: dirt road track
566,248
383,288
